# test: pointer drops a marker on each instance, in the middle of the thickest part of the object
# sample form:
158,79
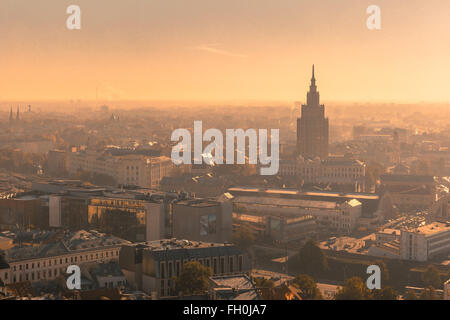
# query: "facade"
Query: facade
27,211
203,220
126,169
152,266
340,216
48,261
277,228
330,171
312,126
425,242
57,162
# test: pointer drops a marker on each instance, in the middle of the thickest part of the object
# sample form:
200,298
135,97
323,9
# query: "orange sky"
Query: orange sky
225,50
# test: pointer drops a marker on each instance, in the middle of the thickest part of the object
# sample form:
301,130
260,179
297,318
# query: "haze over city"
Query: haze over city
229,151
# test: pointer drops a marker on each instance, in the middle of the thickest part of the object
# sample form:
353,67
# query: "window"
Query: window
222,265
162,270
240,263
231,264
169,269
215,265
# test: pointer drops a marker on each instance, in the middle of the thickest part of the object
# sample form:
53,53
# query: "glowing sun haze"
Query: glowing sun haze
225,50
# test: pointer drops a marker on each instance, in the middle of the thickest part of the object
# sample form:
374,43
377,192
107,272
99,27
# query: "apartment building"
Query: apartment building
425,242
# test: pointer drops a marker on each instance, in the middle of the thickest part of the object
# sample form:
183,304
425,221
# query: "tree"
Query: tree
386,293
353,289
428,294
308,287
312,260
193,279
431,277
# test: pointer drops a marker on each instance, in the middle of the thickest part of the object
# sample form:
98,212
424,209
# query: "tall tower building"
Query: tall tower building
312,126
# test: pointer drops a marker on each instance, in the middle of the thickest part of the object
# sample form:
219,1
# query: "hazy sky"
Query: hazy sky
225,49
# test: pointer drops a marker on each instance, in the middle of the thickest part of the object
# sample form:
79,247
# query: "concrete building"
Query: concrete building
152,266
340,216
312,126
27,210
203,220
425,242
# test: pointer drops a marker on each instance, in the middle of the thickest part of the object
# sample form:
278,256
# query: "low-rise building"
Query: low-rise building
425,242
152,266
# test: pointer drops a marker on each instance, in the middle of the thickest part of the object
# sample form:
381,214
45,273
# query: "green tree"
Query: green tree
193,279
431,277
386,293
308,287
428,294
353,289
311,259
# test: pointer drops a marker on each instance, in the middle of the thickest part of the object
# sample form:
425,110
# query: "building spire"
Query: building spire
313,94
313,87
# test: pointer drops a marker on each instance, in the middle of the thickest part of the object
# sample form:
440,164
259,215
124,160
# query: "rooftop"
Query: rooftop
432,228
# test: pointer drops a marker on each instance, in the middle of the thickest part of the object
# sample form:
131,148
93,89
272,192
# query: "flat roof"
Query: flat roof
431,228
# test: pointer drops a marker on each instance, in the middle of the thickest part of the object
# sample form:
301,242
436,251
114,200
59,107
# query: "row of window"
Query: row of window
168,269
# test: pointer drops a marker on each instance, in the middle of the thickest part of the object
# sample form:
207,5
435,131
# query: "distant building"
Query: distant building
334,171
127,168
440,210
203,220
425,242
152,266
409,191
341,216
324,206
312,126
24,210
57,162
